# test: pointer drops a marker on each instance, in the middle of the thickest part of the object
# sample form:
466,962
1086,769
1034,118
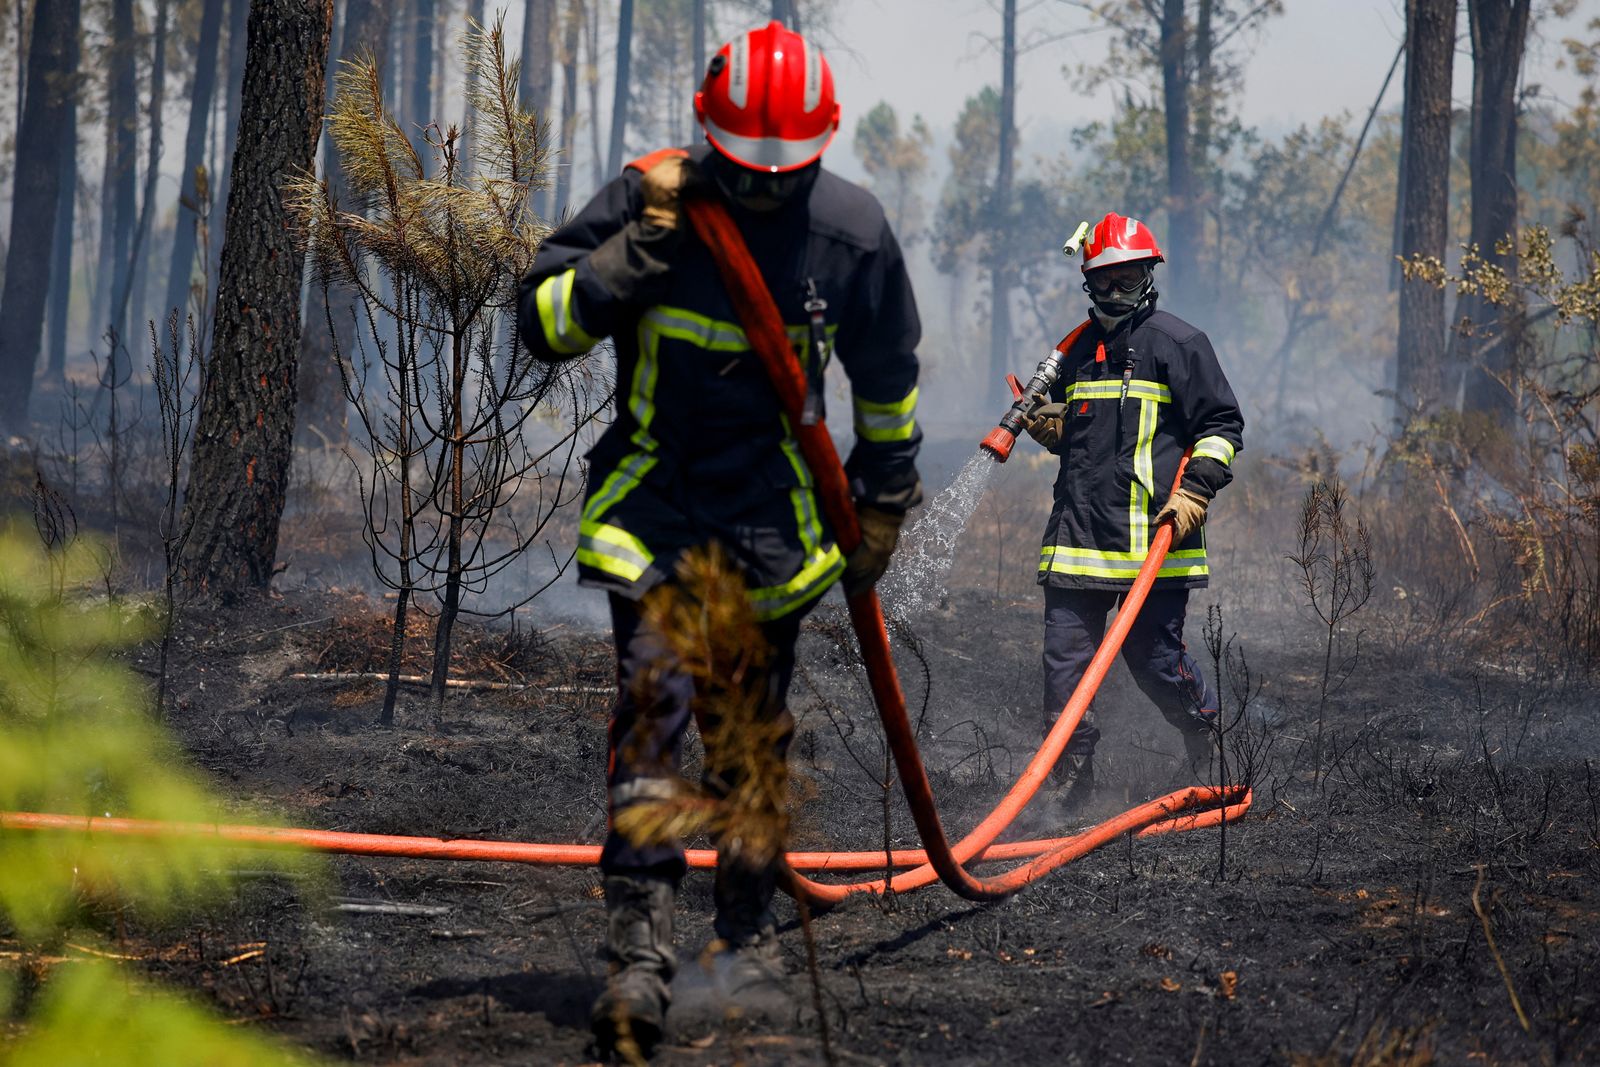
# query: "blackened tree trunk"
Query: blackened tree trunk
1000,277
66,213
1183,217
35,198
570,40
619,100
1424,203
330,326
419,91
1499,38
242,442
139,267
238,52
119,187
194,150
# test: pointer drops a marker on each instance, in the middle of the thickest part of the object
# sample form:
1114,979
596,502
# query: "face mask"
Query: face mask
761,191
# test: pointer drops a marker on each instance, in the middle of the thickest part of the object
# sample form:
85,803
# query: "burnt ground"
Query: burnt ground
1337,926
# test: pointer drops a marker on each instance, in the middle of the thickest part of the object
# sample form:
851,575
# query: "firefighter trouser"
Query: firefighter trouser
1075,622
655,701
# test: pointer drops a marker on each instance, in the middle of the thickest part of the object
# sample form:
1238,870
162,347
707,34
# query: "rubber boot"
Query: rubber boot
747,965
1075,781
633,1008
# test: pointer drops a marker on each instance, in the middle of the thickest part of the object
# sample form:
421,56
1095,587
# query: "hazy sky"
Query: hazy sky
1318,58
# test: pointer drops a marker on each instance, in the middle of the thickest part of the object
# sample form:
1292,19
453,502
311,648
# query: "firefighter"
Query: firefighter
700,450
1138,387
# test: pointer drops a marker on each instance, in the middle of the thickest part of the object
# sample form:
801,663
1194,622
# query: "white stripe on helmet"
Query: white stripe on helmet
813,95
773,153
739,72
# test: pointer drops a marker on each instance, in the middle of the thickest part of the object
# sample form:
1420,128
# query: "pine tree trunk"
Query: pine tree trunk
1001,270
119,186
35,198
66,214
592,76
1499,37
243,438
1183,222
330,327
419,90
571,39
194,148
139,265
238,39
1425,202
619,100
697,35
533,91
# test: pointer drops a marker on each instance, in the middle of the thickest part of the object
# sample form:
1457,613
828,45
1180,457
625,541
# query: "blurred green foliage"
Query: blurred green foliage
77,737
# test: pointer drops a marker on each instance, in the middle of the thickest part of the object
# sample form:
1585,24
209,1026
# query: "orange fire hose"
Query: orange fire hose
1191,808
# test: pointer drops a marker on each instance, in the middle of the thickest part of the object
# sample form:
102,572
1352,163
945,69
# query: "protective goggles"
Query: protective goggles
1120,279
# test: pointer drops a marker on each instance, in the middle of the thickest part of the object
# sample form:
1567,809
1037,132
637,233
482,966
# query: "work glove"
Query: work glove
1046,424
880,532
663,186
1186,509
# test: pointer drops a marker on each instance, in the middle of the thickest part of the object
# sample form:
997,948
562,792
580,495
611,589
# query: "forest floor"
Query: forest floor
1343,920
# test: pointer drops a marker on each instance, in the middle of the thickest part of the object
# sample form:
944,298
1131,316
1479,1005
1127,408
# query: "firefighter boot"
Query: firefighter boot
633,1008
1074,781
747,968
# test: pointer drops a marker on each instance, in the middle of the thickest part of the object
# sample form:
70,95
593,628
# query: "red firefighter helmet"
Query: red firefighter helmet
1118,239
767,101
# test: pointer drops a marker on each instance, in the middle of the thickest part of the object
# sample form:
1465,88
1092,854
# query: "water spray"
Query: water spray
1028,400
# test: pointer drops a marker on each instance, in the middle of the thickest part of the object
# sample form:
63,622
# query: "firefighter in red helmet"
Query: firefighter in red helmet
701,451
1138,387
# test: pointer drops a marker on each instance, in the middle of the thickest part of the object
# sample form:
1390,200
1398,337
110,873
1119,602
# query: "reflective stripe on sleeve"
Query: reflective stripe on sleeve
883,422
1217,448
561,330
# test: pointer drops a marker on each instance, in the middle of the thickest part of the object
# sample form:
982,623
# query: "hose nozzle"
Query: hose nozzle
998,443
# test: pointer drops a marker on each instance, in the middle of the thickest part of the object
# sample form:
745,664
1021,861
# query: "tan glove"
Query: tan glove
880,532
663,186
1047,424
1187,510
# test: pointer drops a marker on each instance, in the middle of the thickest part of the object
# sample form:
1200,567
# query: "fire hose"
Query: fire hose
1194,807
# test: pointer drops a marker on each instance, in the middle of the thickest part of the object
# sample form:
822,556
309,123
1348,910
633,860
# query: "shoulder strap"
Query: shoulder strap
763,326
1066,342
644,163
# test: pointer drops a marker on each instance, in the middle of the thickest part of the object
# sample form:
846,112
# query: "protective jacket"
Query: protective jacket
700,449
1136,399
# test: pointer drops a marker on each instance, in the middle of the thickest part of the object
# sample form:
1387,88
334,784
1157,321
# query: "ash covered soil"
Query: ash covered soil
1335,923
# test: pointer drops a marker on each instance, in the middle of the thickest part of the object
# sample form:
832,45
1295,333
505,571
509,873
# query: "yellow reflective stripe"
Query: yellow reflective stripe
1090,563
822,568
1144,476
880,421
1217,448
561,330
807,522
1111,389
702,331
618,484
613,550
642,387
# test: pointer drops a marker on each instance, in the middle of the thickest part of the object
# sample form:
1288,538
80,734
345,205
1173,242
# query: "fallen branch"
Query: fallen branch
381,907
450,683
1500,962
